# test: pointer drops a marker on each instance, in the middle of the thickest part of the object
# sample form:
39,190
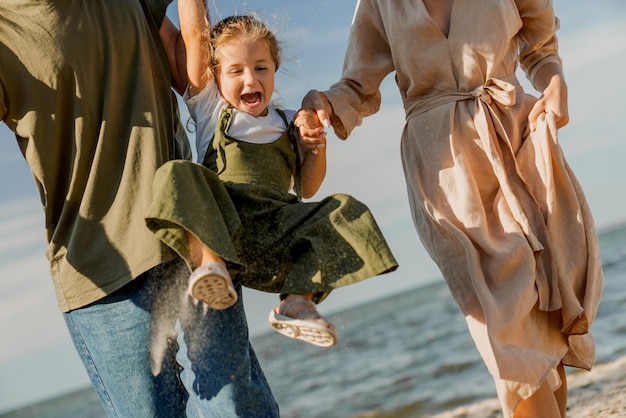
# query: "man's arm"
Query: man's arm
175,49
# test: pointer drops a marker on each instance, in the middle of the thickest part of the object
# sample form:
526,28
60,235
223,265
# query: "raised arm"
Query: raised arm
188,48
195,30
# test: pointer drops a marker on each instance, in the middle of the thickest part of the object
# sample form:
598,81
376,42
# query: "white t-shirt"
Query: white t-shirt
205,108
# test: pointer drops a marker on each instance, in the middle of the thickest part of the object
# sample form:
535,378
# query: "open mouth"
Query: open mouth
251,99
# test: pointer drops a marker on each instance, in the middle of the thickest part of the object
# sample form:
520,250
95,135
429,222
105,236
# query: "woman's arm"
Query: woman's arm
367,62
539,58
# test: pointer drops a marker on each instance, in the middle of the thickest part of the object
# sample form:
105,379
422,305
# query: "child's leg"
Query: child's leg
296,316
200,253
210,281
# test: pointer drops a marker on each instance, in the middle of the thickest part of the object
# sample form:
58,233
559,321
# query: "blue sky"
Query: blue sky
40,361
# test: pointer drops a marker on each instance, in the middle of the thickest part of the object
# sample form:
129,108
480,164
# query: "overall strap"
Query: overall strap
223,124
216,148
293,137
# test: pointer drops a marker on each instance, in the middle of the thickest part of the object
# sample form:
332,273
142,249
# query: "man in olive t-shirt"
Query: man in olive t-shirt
85,87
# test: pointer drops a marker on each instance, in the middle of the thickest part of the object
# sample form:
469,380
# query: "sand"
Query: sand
600,393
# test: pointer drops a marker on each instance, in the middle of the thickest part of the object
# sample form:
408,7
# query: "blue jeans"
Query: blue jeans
151,352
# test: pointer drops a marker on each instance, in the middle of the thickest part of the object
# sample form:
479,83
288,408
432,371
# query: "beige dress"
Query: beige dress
499,210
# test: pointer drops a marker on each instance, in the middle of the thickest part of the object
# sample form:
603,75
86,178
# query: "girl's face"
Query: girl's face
246,76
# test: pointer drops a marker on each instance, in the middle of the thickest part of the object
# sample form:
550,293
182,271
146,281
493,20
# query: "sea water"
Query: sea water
411,350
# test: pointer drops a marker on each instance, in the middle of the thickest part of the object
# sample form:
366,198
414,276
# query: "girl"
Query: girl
234,216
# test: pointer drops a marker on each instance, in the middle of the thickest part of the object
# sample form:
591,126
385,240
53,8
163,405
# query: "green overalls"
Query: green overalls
240,207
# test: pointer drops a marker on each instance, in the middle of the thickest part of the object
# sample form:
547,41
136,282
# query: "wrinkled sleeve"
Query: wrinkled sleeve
158,8
3,108
537,39
3,80
367,62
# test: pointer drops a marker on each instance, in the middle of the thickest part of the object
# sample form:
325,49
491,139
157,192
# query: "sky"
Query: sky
37,358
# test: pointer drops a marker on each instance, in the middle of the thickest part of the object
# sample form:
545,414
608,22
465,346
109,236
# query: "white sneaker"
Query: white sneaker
211,284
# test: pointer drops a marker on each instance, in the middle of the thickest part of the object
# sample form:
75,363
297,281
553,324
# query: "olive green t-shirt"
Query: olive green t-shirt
85,86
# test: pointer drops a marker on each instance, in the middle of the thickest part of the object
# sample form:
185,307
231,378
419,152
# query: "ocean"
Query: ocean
410,351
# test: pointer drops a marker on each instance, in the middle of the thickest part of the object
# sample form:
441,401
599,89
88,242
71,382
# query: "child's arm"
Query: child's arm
314,161
188,49
313,172
195,30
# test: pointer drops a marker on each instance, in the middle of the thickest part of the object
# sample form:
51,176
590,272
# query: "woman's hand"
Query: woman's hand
554,97
312,134
317,104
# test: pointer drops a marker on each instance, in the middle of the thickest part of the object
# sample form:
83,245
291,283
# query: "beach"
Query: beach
410,355
600,393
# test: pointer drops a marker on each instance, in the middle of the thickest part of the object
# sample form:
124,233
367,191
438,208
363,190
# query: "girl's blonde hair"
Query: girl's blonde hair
245,28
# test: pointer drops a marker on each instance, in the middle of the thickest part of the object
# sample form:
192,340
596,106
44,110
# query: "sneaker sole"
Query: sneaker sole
306,331
214,290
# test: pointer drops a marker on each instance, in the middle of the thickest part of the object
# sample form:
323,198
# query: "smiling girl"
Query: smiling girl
234,218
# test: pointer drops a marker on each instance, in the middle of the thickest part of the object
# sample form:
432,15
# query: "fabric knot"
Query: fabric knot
498,90
481,93
494,89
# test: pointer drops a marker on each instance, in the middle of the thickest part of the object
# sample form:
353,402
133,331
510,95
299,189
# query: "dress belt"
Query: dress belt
498,90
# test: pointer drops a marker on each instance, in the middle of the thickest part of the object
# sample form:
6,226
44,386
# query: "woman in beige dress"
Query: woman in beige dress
492,198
